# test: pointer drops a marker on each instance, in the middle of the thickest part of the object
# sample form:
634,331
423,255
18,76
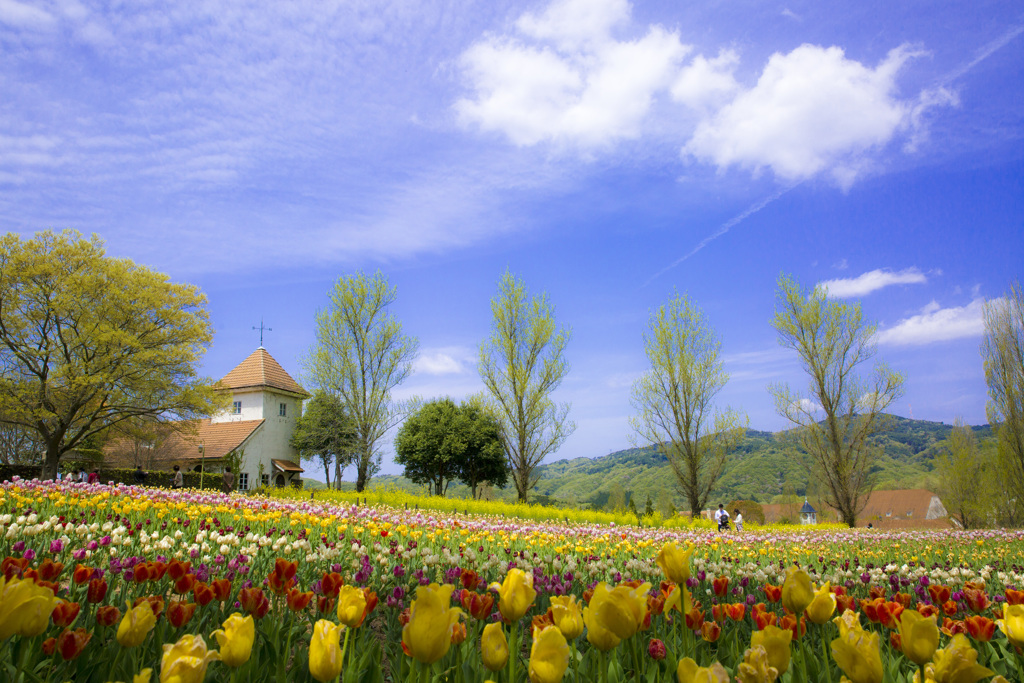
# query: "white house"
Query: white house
257,426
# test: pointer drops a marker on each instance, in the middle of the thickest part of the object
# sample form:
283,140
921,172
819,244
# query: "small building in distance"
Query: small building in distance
891,509
256,427
808,515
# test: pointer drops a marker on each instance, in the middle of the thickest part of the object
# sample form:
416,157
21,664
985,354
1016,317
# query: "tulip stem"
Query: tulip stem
575,663
513,652
824,654
344,647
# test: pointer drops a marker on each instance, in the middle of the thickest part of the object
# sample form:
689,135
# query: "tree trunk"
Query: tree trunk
50,461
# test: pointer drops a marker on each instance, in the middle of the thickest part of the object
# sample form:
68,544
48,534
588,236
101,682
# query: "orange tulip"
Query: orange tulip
478,606
980,628
1014,597
65,613
736,611
721,586
298,601
977,600
283,576
939,593
184,583
772,593
694,619
927,610
202,594
221,590
798,628
50,570
710,631
180,613
97,591
71,643
107,615
81,574
177,569
331,583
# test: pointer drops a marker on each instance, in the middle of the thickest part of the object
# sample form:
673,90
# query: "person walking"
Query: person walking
718,515
139,475
229,480
94,477
178,481
738,519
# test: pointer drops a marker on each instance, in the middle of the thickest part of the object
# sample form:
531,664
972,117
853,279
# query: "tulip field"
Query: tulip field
117,583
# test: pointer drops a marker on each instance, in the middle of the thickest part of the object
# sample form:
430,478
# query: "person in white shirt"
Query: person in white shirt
718,515
738,519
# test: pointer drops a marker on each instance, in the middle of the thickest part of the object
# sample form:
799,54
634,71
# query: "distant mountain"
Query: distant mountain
765,465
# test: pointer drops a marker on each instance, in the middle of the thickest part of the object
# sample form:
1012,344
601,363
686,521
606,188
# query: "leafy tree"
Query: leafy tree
443,441
88,342
360,356
674,400
20,445
839,412
521,364
1003,352
960,474
324,434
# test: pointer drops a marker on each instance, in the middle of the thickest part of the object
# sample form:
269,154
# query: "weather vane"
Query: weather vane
261,328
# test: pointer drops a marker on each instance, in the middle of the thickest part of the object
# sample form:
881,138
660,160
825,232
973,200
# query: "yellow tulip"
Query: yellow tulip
428,635
566,614
143,676
689,672
679,600
516,594
675,562
549,656
1012,623
351,605
494,647
848,621
597,634
755,667
325,651
822,606
25,607
235,639
856,653
775,642
958,663
919,636
186,660
623,609
136,624
797,591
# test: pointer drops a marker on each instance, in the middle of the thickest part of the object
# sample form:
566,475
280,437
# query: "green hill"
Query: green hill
764,465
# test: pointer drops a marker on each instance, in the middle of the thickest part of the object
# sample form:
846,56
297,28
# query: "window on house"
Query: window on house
243,481
265,480
283,411
236,408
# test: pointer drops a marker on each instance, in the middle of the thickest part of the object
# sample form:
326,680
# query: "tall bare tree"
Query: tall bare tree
360,356
674,400
1003,352
521,363
839,412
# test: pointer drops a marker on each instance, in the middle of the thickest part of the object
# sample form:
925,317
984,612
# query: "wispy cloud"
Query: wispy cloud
722,229
449,360
872,281
937,324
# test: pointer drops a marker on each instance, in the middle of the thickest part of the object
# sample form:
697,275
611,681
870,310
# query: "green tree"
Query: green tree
443,441
839,412
88,342
960,473
674,400
360,356
1003,353
324,434
521,363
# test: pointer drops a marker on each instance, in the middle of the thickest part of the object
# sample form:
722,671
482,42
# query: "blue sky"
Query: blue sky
607,152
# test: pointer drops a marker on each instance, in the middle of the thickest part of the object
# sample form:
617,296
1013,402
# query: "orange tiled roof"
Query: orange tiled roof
287,466
261,370
182,444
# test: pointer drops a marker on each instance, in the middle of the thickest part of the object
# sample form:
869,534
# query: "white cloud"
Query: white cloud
843,288
452,360
812,110
563,78
935,324
20,15
707,82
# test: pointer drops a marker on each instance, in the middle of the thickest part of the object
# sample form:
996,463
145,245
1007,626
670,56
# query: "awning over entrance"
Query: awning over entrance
286,466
